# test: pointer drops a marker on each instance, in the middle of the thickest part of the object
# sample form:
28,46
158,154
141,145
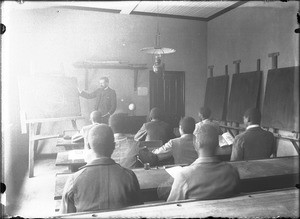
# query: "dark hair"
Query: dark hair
155,113
205,112
187,125
253,115
117,122
96,116
101,140
105,79
207,138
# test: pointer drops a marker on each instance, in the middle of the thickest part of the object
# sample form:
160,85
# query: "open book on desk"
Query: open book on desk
225,139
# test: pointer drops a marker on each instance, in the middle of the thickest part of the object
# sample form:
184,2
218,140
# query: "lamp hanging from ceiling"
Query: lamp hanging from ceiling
157,51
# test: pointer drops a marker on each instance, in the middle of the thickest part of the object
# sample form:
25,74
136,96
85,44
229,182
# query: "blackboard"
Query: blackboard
44,97
244,94
216,96
281,102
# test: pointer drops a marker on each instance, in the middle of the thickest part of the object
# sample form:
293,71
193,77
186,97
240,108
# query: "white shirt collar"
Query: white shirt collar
105,88
205,120
252,126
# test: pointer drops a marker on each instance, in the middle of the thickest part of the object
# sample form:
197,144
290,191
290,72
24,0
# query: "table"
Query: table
68,144
278,203
62,158
256,175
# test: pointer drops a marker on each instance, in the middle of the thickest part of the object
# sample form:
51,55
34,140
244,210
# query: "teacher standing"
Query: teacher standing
106,99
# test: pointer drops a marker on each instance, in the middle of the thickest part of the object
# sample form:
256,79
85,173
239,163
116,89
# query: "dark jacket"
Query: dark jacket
101,184
254,143
106,100
127,150
155,130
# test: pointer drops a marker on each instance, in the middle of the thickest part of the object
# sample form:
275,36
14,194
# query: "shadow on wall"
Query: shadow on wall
15,165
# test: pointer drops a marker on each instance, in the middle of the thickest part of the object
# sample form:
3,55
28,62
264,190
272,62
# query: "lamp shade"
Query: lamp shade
158,50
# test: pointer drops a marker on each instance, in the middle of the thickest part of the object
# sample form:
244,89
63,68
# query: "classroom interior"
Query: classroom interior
211,39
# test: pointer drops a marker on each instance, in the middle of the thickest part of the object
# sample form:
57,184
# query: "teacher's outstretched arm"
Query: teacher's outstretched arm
87,95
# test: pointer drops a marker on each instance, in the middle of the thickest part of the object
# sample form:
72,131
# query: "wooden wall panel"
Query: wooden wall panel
281,103
216,96
244,94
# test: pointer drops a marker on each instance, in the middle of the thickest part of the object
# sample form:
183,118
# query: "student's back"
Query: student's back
103,184
255,143
206,179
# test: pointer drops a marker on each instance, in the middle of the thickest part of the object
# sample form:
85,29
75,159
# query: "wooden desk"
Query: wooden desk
68,144
256,175
63,158
278,203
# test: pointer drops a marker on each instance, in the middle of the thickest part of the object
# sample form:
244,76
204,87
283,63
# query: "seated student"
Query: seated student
127,150
182,148
254,143
102,183
204,116
207,177
155,129
95,118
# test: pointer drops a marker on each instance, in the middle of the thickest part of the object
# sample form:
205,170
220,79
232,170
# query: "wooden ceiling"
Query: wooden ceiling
193,10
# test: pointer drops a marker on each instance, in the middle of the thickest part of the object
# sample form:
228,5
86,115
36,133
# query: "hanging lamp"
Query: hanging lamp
157,51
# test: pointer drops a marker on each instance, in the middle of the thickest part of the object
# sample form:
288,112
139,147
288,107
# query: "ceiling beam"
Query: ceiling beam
235,5
130,6
168,16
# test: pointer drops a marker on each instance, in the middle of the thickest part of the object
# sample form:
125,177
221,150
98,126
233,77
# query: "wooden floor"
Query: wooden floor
36,196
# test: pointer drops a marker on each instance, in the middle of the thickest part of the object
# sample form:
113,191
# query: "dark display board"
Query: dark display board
49,97
244,94
281,102
216,96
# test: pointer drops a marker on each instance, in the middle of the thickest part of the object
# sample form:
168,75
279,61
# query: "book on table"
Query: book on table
225,139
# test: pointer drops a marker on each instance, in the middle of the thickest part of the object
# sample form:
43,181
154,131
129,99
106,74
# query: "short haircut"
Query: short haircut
105,79
96,116
118,122
101,140
155,113
254,115
187,125
205,112
207,138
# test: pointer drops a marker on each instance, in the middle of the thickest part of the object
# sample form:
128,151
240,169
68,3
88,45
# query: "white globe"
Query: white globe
131,107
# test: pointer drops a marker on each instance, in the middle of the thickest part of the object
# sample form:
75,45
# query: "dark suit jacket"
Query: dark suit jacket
254,143
106,100
101,184
127,150
155,130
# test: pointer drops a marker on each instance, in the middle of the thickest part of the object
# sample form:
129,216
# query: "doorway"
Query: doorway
167,93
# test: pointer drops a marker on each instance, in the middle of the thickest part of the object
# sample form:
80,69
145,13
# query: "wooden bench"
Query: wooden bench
256,175
278,203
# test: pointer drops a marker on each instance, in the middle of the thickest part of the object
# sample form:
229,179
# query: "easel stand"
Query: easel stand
34,128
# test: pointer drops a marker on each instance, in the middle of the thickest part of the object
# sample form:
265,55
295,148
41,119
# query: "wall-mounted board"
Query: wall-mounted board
49,97
244,94
281,102
216,96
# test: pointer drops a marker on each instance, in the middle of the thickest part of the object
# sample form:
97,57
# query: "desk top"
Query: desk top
249,170
63,157
282,203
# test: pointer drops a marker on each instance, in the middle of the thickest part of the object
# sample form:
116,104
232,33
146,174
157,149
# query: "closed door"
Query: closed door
167,93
